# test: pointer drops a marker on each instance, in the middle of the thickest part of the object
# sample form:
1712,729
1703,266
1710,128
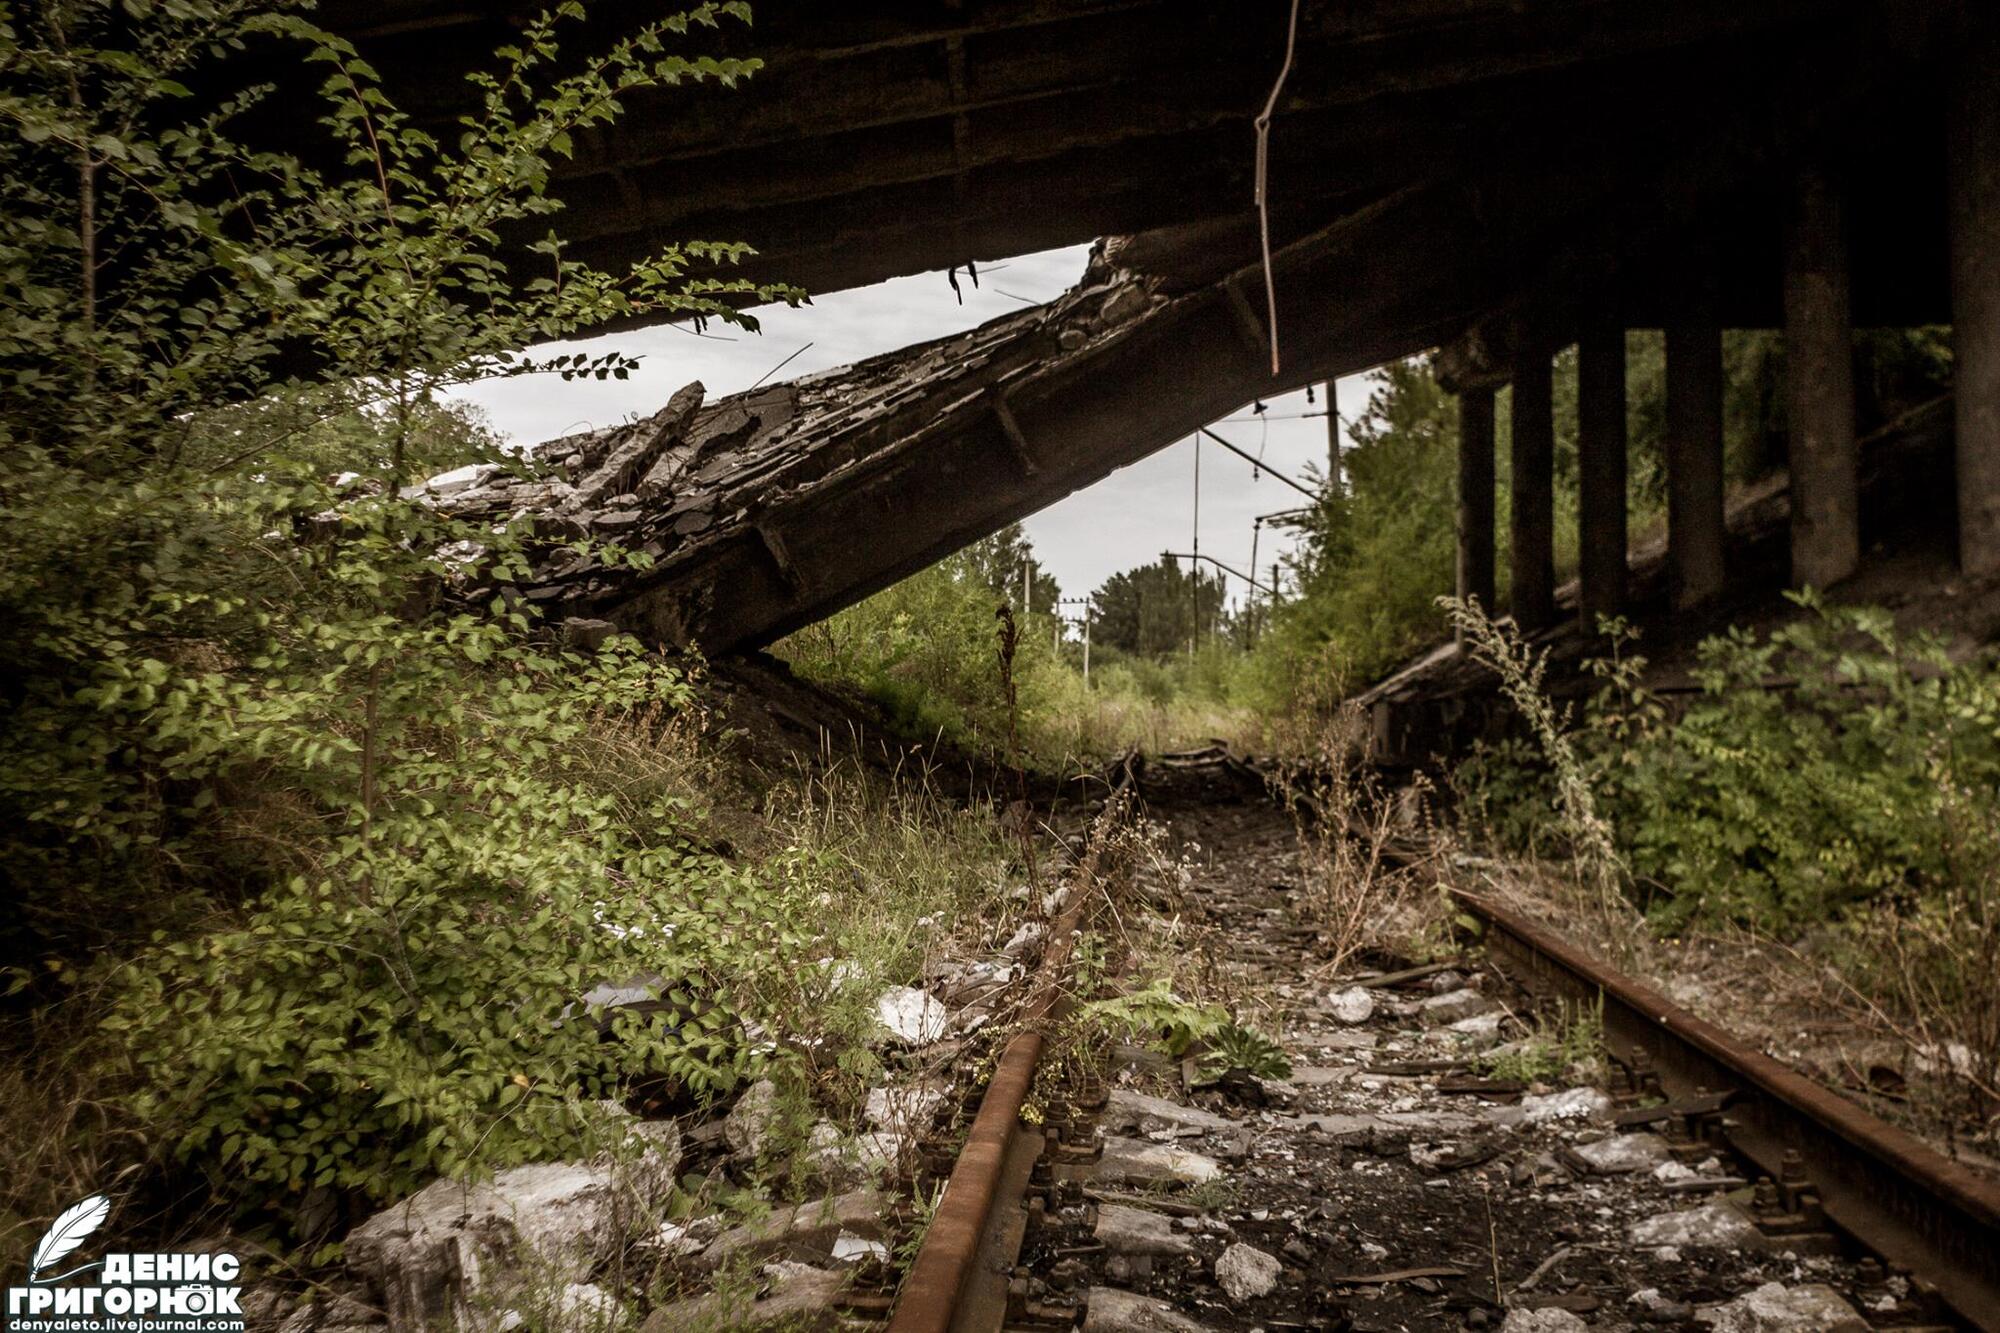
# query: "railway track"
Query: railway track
1820,1177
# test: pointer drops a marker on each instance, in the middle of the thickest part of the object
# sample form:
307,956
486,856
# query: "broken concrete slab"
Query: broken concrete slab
1109,1310
1125,1230
1575,1105
1136,1162
1387,1129
430,1257
1719,1226
1621,1153
1128,1110
1776,1308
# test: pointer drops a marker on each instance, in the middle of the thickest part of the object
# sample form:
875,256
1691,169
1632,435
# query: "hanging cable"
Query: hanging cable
1263,178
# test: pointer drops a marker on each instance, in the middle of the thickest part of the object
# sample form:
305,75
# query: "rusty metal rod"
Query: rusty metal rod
1877,1183
931,1290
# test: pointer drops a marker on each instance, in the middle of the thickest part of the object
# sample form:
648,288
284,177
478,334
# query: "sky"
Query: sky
1126,520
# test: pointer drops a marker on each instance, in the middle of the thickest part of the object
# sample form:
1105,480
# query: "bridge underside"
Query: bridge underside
1488,178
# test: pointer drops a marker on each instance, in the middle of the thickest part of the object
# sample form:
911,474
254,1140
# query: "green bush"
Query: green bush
1834,761
320,842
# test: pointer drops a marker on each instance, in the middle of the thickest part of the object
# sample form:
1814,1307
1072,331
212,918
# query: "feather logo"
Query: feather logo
69,1231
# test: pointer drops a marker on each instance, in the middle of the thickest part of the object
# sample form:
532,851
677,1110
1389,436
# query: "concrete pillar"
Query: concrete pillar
1973,176
1532,513
1694,459
1601,473
1475,498
1819,387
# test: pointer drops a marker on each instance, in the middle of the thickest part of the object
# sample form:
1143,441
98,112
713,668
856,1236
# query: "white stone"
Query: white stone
1669,1172
903,1110
913,1017
849,1248
1775,1308
1715,1225
1351,1006
1589,1105
1022,940
1246,1272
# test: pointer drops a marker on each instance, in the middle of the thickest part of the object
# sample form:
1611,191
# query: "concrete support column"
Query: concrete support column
1973,176
1819,387
1475,498
1601,473
1532,513
1694,459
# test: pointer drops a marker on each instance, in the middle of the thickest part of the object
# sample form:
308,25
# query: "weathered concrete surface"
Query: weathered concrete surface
770,509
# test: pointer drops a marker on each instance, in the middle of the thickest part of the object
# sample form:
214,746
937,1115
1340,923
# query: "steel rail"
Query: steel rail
1876,1183
932,1289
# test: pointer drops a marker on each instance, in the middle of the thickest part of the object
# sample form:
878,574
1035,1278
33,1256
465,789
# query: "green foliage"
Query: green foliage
926,648
246,712
1572,1038
1158,609
1233,1046
1831,762
1155,1012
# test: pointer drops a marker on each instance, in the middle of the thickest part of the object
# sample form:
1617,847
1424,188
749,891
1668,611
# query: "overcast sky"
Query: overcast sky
1125,520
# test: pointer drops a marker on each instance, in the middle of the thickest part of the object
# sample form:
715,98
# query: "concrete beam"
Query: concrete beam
1973,176
1694,460
1819,385
1602,449
1532,512
1475,498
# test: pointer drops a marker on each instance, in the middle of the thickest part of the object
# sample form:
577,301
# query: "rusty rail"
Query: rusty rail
936,1280
1876,1183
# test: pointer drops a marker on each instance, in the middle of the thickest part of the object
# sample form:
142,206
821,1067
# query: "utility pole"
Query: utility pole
1332,437
1250,617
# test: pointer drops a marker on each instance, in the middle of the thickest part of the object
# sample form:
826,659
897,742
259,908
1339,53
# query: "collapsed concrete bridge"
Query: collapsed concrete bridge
1491,179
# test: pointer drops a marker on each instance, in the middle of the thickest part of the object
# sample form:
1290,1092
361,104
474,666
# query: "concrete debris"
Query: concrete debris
1113,1311
1352,1006
1550,1320
1624,1152
1387,1129
849,1248
1478,1030
1126,1230
911,1016
843,1161
451,1245
1587,1105
1136,1162
1454,1005
748,1125
1775,1308
1713,1225
1135,1111
903,1110
1246,1272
